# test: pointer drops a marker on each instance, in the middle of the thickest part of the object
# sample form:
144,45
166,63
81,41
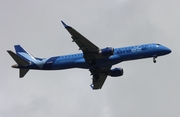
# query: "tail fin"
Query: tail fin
23,53
19,61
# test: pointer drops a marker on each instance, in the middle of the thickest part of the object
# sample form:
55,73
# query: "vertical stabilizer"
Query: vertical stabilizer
23,53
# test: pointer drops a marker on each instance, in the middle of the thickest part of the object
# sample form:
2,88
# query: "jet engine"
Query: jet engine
116,72
108,51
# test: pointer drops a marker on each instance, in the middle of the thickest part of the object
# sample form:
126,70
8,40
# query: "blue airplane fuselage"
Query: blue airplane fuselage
78,61
98,61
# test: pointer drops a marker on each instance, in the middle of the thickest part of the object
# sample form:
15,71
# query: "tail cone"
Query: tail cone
15,66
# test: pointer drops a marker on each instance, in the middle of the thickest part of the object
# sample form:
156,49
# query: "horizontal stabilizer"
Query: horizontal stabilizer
22,72
18,59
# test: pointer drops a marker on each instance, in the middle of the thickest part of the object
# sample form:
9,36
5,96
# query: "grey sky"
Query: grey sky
145,90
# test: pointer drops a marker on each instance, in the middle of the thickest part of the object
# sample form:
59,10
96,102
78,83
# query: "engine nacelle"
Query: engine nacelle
116,72
108,51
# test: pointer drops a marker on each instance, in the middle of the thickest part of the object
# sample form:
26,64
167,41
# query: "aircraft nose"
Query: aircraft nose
167,50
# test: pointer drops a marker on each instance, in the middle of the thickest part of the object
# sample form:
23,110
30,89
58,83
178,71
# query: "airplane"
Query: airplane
98,61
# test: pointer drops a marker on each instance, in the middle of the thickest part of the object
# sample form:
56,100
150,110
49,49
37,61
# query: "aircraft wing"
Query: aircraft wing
99,77
90,50
84,44
91,54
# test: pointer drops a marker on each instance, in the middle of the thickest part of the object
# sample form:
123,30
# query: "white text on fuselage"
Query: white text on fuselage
132,49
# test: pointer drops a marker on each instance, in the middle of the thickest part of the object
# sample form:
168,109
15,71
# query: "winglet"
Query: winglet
65,25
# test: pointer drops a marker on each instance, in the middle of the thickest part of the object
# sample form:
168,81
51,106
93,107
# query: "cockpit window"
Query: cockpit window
157,45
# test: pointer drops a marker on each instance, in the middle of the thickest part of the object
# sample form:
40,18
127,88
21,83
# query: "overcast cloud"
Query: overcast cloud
145,90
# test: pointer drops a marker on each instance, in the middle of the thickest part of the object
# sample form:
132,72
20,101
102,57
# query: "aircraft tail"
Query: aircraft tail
18,59
23,53
22,72
22,58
